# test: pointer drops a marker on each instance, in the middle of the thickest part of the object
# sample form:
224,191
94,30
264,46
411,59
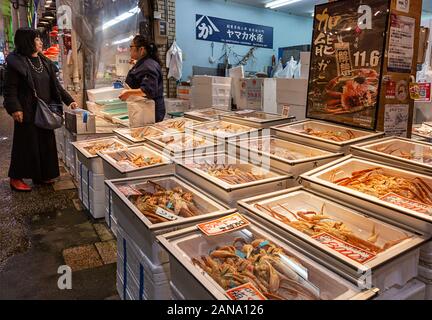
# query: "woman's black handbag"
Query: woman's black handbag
48,116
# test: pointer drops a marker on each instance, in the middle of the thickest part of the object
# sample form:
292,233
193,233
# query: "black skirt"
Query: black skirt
34,153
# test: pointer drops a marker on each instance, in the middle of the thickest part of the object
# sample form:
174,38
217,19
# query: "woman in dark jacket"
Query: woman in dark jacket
34,152
145,78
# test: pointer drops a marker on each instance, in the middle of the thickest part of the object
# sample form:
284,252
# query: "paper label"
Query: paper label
222,225
285,111
403,5
129,191
407,203
246,291
348,250
390,89
401,44
396,120
165,214
424,92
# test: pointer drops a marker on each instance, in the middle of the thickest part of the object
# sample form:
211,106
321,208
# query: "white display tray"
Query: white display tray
320,179
296,132
127,133
296,160
257,119
402,152
194,283
394,266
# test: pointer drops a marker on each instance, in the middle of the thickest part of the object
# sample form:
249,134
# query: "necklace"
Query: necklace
37,69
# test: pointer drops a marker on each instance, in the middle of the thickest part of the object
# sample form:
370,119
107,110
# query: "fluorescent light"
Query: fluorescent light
280,3
119,18
123,40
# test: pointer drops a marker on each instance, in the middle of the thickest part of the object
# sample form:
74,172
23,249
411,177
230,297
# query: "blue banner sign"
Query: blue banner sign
233,32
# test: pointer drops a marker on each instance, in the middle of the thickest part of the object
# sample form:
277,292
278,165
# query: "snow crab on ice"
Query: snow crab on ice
352,94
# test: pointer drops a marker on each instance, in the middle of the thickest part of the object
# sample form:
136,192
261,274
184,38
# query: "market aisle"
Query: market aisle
39,230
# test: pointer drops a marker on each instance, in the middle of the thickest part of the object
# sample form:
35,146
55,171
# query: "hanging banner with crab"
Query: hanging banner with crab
346,61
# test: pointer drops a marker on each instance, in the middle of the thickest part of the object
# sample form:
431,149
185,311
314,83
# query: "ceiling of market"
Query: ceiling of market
306,7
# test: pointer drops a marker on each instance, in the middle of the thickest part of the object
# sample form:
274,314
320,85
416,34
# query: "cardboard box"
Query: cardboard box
291,91
177,105
184,92
294,110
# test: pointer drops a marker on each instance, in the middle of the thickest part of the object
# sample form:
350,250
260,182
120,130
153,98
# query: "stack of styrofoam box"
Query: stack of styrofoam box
176,105
110,216
293,93
60,142
305,64
412,290
137,277
425,268
208,91
91,189
266,90
184,92
103,94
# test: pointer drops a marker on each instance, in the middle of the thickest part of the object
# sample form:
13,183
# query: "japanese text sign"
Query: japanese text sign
346,59
233,32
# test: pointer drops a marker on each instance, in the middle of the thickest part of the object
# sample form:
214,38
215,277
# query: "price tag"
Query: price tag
165,214
407,203
222,225
285,111
246,291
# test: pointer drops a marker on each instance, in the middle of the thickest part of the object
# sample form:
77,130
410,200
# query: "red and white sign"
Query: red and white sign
407,203
222,225
348,250
424,91
390,90
246,291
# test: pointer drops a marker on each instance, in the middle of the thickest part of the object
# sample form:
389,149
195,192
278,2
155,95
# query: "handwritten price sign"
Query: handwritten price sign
222,225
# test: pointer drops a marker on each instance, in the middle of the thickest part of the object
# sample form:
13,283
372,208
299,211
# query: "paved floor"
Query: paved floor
44,230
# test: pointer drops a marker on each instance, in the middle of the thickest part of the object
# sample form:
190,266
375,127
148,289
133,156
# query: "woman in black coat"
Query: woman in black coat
34,151
145,79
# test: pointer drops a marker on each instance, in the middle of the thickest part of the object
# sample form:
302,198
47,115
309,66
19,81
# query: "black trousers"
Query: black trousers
34,153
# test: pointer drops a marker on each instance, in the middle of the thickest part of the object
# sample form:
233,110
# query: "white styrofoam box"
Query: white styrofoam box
110,216
96,181
304,71
425,271
295,110
223,103
397,272
142,238
184,92
208,80
105,93
292,91
175,293
413,290
153,279
176,105
111,222
426,253
305,57
212,90
97,209
428,294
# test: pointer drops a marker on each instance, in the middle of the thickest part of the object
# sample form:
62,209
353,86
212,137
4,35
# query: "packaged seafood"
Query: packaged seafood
324,135
249,262
282,155
178,144
144,206
256,119
385,191
424,131
87,151
176,125
138,135
398,151
208,114
348,238
225,131
135,161
230,178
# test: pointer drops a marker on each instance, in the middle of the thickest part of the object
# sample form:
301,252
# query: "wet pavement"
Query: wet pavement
45,229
